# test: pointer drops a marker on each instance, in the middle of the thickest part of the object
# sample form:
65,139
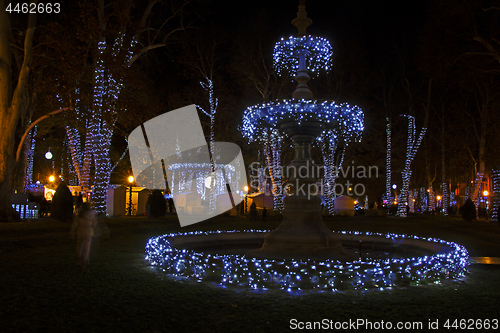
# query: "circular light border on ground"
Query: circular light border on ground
292,275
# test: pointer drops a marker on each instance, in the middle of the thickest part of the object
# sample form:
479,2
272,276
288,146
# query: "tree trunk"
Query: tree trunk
412,147
11,106
445,188
388,169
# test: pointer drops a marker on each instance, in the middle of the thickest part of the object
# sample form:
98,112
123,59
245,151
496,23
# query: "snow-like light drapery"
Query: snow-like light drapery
343,119
286,54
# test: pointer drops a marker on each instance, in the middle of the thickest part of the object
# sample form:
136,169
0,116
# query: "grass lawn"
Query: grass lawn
42,289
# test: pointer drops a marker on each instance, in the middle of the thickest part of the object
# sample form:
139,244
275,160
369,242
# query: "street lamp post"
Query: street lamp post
486,203
246,194
129,208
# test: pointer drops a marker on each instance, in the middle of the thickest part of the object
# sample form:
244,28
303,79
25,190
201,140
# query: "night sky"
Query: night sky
377,46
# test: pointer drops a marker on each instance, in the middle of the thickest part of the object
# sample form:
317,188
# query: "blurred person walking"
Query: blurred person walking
83,229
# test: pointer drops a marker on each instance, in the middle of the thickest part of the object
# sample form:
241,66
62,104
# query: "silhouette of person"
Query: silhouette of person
264,213
79,203
43,207
253,212
170,205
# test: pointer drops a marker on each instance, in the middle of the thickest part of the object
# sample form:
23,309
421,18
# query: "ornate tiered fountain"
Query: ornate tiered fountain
302,233
302,253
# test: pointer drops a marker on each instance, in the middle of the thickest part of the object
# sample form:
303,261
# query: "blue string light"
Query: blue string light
412,146
343,119
388,172
286,54
291,275
28,180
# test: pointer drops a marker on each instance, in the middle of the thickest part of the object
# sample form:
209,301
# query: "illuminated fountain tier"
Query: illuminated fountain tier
302,233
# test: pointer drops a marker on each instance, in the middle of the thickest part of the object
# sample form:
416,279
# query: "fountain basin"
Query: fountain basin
384,261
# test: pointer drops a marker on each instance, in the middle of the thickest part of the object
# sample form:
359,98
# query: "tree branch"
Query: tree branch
20,146
493,52
490,8
146,13
25,69
144,50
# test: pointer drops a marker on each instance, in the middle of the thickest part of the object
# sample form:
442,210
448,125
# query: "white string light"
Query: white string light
343,119
496,196
446,199
291,275
107,89
432,199
28,178
411,150
213,102
388,170
329,143
286,54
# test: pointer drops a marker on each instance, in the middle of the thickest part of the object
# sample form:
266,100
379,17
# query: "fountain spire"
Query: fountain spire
301,22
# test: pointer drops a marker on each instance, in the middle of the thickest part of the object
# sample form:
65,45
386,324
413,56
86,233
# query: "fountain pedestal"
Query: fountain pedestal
302,234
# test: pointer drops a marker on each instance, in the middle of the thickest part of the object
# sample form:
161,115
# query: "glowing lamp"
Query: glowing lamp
48,155
486,193
438,197
208,182
52,178
246,188
131,179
